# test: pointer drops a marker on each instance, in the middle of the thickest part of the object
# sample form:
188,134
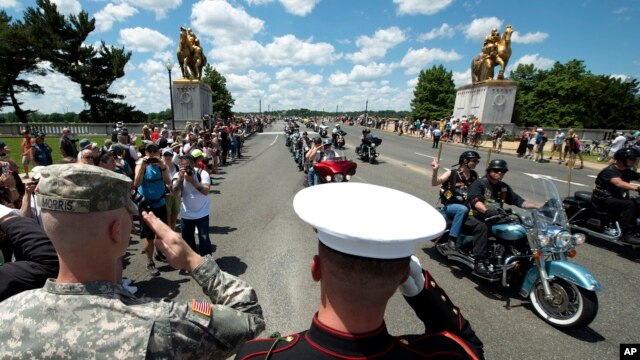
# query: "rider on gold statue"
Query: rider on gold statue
496,50
190,56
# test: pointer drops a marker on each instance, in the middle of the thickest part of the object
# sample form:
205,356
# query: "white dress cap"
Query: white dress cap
362,219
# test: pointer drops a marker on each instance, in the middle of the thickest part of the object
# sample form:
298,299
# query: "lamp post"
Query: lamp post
169,68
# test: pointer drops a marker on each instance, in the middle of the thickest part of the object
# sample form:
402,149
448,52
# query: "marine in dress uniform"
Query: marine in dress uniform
356,240
97,317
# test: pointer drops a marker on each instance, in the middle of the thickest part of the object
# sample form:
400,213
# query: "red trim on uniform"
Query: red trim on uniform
271,340
427,276
340,356
347,335
462,343
430,355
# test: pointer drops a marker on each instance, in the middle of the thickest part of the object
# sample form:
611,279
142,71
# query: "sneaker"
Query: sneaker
152,269
126,281
131,289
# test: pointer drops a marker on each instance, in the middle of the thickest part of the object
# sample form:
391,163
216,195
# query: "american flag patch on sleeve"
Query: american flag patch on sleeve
201,307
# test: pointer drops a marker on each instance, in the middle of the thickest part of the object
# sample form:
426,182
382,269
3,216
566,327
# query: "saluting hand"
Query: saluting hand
178,253
435,164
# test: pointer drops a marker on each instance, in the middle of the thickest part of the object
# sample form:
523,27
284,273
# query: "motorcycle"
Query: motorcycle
336,169
322,130
338,139
587,219
369,153
532,251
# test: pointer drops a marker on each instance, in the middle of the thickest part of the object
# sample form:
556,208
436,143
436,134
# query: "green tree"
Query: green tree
62,42
17,59
221,99
434,95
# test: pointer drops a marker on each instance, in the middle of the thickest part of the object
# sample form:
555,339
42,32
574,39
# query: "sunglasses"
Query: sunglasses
474,160
502,171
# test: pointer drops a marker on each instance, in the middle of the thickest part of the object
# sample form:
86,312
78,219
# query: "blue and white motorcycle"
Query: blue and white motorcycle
532,251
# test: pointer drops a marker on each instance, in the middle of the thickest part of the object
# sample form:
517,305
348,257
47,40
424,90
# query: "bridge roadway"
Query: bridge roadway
258,237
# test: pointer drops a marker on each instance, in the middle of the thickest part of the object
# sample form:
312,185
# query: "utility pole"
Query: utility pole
366,114
260,106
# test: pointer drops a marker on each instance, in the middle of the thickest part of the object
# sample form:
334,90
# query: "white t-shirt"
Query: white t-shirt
617,143
195,205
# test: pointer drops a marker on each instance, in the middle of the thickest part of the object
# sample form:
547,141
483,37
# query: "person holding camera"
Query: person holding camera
151,177
192,183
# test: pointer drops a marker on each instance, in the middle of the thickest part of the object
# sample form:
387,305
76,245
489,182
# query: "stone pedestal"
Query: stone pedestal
491,101
191,101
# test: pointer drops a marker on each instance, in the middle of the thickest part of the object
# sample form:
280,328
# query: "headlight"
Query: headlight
328,178
544,240
373,145
563,238
579,239
338,178
348,177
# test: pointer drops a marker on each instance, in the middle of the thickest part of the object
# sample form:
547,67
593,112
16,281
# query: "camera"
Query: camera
189,171
35,181
152,160
140,201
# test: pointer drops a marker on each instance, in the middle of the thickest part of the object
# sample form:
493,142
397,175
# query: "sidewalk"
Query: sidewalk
509,149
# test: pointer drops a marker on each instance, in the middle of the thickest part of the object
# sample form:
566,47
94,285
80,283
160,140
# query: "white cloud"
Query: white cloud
258,2
425,7
299,7
540,63
529,38
416,60
148,95
301,77
143,40
462,78
159,7
443,31
374,48
412,83
621,77
369,72
339,79
231,57
61,94
68,6
479,28
621,10
112,13
9,4
152,67
223,23
289,50
251,80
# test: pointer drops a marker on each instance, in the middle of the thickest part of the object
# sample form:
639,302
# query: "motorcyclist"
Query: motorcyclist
486,197
325,153
311,159
453,192
609,194
334,134
363,140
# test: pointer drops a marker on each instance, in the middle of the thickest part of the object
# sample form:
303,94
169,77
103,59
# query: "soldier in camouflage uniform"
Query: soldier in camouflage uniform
85,312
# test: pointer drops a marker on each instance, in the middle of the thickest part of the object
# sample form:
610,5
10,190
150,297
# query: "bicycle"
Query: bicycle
593,148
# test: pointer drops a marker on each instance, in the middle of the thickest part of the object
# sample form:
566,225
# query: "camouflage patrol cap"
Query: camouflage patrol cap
81,188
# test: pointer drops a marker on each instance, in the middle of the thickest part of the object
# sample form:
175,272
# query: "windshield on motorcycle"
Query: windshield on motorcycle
545,192
334,155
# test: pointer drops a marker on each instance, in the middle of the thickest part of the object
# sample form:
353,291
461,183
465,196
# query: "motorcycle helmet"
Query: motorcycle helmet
338,126
468,155
326,141
498,164
317,139
624,154
365,131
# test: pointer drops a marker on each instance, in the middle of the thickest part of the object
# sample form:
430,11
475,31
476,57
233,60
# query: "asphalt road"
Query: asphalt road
258,237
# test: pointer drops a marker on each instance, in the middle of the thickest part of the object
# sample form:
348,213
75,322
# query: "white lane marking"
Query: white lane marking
274,140
536,176
592,176
271,133
425,155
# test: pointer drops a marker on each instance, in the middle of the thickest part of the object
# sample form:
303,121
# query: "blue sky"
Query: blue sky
319,54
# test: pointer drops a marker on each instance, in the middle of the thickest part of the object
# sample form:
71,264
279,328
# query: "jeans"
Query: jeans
311,176
458,213
188,227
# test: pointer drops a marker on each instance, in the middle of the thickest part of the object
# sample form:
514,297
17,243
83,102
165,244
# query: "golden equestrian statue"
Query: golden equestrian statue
496,50
190,56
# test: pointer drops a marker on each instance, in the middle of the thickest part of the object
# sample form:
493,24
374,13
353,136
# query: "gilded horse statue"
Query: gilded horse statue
190,56
496,50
